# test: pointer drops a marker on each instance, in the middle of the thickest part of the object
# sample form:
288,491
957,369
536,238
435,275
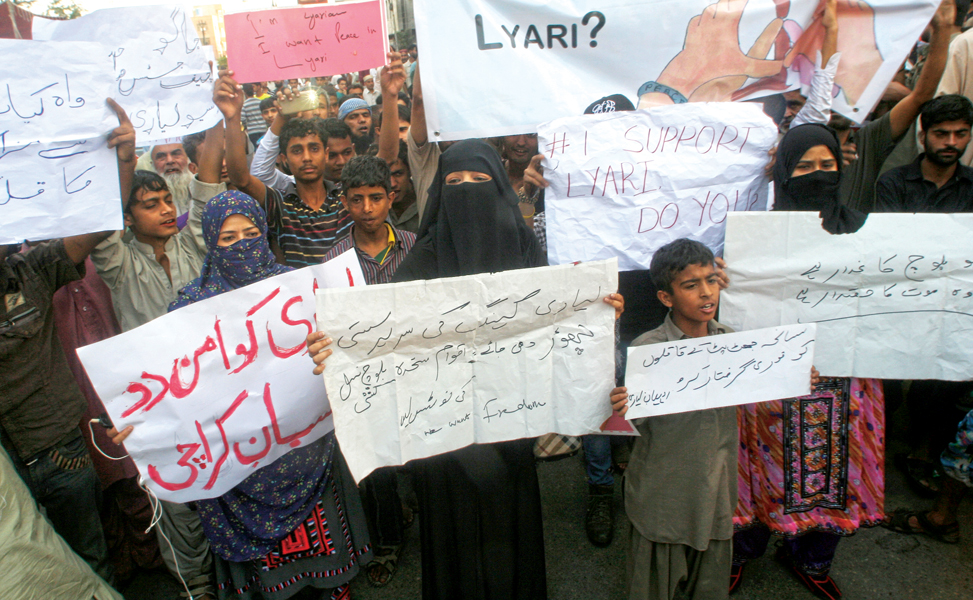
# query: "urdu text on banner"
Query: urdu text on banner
222,387
891,301
719,370
500,67
427,367
624,184
161,69
57,175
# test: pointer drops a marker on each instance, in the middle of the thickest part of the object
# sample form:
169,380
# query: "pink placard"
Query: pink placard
306,41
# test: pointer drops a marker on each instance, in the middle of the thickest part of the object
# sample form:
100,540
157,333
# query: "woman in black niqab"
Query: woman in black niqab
470,226
480,506
816,190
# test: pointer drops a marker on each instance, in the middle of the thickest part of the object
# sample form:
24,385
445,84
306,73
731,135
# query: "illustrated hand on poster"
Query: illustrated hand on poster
712,49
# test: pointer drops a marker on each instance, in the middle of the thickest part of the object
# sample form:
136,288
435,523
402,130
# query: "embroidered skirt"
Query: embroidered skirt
325,551
815,463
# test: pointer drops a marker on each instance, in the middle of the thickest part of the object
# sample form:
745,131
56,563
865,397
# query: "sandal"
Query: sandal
923,476
898,522
383,565
736,578
820,585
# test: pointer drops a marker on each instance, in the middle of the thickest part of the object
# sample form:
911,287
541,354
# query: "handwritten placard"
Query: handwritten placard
717,371
567,54
162,73
310,41
222,387
892,301
426,367
624,184
57,175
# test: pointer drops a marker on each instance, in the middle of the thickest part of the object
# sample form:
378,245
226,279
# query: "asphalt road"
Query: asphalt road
873,564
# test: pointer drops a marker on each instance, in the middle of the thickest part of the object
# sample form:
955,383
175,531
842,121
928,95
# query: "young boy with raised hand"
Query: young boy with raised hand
680,487
681,482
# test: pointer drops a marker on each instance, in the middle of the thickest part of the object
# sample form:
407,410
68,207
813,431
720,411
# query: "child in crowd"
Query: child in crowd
681,483
367,196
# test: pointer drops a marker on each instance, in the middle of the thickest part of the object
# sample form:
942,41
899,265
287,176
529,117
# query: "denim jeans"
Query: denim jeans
598,459
70,496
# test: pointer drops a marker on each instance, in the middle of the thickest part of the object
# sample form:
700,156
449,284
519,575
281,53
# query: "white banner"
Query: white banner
625,184
161,69
500,67
221,387
716,371
57,175
426,367
892,301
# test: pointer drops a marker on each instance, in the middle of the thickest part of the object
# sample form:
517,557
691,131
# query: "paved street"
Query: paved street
874,564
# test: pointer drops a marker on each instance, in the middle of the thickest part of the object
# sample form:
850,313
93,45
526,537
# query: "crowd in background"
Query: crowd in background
302,170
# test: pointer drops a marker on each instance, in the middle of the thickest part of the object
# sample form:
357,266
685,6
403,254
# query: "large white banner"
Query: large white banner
426,367
624,184
57,175
892,301
500,67
222,387
162,75
716,371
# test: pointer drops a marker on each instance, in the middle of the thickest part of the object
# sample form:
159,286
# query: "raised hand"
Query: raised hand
122,138
711,64
392,77
228,95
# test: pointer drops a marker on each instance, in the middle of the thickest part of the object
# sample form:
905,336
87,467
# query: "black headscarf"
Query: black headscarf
817,191
471,228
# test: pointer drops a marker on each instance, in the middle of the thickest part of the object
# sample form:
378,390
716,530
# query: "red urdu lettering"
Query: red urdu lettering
293,439
226,444
176,386
249,354
140,388
288,352
219,338
247,460
183,462
263,302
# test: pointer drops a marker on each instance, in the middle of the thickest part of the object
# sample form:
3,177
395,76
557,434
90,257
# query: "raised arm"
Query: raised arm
418,129
228,97
210,155
393,79
907,110
817,109
122,139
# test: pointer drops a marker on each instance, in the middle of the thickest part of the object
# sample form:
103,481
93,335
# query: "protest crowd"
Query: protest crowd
301,171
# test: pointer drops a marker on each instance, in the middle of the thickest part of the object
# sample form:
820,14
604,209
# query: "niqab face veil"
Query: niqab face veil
476,227
817,191
229,267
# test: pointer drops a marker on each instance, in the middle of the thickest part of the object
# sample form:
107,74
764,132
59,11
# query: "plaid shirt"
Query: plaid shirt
374,272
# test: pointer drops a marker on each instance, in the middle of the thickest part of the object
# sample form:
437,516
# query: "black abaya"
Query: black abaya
479,507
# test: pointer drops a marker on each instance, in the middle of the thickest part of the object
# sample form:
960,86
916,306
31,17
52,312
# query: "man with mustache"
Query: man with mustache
936,181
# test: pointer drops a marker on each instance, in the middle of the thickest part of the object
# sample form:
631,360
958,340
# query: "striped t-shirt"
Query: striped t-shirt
305,235
378,271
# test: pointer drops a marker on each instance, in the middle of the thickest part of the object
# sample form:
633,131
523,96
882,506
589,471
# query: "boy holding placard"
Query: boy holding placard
681,481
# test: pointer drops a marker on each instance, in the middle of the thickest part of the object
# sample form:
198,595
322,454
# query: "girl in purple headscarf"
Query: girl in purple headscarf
298,522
